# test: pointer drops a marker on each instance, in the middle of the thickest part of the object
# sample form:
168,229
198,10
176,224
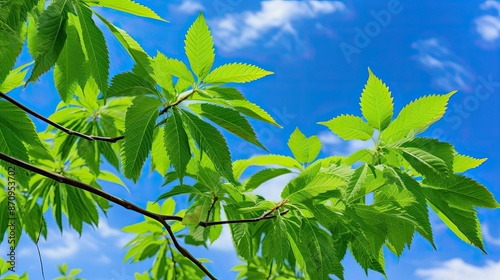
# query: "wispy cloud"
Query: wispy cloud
189,7
490,239
447,73
458,269
488,26
333,145
269,24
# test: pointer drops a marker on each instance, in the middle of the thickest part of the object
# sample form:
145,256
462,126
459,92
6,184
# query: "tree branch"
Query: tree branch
58,126
211,207
128,205
165,110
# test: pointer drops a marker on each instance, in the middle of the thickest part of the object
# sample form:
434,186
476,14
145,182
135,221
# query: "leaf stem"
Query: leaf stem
186,96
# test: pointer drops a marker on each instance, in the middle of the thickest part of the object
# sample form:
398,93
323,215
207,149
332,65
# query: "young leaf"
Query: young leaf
464,223
310,184
15,78
210,141
462,163
229,119
240,166
264,175
51,37
130,84
418,115
159,156
304,149
18,123
275,244
139,126
199,47
355,188
235,73
95,47
429,157
70,66
176,68
376,102
194,217
349,127
143,61
128,6
177,143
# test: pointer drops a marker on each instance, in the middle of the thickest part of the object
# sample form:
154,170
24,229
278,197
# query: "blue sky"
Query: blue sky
319,51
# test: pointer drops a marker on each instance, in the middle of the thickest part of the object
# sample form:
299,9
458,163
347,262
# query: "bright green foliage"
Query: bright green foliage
127,6
68,274
200,48
376,103
235,73
4,272
304,149
417,116
139,127
169,108
349,127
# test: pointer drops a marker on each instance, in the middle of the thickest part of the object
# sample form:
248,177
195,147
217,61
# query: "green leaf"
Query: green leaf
95,47
235,73
310,184
263,176
349,127
162,75
464,223
51,37
355,188
139,127
318,252
229,119
461,191
417,116
127,6
159,156
175,67
429,157
11,145
70,66
462,163
211,141
177,143
130,84
376,102
275,245
12,41
240,166
18,123
304,149
143,62
194,217
419,210
199,47
15,78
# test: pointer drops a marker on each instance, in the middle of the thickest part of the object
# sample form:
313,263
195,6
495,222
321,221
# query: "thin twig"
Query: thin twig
173,259
211,207
165,110
38,248
58,126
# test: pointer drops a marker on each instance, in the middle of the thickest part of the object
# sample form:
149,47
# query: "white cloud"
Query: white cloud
333,145
189,7
490,239
447,72
225,242
488,26
271,190
457,269
275,18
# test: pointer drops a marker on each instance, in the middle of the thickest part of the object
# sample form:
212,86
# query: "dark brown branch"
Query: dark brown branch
128,205
252,220
211,207
58,126
165,110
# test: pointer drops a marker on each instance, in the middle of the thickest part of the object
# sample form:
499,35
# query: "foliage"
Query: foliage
168,110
